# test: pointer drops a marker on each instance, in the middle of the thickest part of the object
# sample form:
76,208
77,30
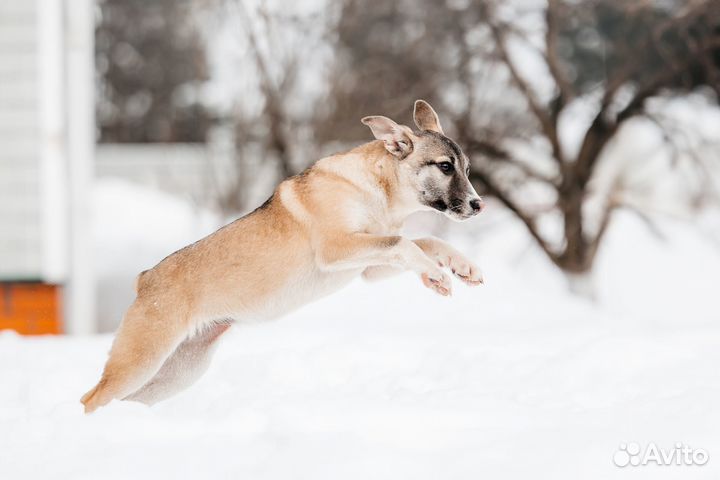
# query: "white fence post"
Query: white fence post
53,158
80,30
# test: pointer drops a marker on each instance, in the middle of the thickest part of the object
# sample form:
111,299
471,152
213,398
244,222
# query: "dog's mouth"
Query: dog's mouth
439,205
461,216
456,206
454,210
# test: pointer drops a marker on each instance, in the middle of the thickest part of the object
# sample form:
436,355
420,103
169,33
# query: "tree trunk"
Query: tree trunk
578,256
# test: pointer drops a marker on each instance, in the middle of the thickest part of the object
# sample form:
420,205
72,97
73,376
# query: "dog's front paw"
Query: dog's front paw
437,281
465,270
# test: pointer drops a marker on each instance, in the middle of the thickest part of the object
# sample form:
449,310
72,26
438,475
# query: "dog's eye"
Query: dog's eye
467,171
446,167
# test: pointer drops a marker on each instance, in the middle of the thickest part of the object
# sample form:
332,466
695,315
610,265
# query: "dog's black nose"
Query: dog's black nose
476,204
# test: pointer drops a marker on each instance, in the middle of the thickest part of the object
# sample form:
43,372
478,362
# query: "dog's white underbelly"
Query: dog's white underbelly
301,290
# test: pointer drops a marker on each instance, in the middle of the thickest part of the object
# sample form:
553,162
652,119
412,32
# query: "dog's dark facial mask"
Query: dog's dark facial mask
432,164
442,170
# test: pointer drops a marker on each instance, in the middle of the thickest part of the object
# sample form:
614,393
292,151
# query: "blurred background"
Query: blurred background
130,128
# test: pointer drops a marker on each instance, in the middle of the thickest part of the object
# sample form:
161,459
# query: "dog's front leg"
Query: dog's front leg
440,251
447,256
380,272
362,250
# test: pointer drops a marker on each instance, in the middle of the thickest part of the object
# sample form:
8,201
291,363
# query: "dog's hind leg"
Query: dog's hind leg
183,367
145,339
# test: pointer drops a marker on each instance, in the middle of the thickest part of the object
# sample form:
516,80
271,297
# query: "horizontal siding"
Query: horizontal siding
19,191
17,7
19,17
22,150
18,65
20,118
20,241
19,34
18,94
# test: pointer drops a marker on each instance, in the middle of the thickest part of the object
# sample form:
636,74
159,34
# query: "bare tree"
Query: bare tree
647,51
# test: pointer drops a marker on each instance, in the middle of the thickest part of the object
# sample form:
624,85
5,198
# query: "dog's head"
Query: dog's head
430,164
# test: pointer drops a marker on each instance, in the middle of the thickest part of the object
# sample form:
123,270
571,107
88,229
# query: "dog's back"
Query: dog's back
257,267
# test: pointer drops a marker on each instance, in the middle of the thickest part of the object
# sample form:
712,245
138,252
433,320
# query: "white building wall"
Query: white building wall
20,204
46,149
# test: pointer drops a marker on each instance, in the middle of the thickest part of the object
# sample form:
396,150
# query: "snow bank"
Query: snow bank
134,228
515,379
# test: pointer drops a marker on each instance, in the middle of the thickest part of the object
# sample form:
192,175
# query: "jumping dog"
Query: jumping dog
339,219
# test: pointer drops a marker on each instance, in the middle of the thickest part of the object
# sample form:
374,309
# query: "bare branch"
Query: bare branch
552,58
683,17
602,128
547,124
613,203
530,223
496,153
277,138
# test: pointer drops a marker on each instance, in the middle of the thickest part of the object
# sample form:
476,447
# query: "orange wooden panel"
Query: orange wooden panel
30,308
33,295
46,327
16,324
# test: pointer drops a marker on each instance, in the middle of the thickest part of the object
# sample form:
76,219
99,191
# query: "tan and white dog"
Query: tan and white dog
320,229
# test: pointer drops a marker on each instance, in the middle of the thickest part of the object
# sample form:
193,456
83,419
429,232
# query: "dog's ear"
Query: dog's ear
426,118
396,137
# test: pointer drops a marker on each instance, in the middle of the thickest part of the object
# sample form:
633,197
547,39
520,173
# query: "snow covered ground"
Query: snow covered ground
515,379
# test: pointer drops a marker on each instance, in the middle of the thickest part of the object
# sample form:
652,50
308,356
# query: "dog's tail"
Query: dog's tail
87,399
